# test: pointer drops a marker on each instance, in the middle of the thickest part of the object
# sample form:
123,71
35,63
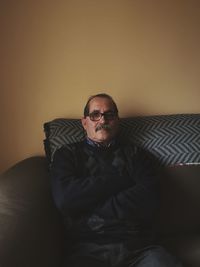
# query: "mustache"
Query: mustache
103,126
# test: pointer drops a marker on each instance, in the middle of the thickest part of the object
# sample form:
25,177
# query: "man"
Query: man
107,193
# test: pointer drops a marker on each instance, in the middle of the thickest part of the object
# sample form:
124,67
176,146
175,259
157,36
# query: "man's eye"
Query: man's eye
95,114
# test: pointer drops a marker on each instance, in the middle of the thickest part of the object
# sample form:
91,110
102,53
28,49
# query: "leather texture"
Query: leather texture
178,223
31,230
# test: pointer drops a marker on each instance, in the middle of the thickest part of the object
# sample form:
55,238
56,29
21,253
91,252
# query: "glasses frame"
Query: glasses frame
113,115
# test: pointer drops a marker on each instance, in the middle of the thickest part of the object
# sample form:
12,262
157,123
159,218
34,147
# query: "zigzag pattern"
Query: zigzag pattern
174,139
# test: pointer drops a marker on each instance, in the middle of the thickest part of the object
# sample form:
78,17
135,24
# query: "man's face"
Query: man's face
105,129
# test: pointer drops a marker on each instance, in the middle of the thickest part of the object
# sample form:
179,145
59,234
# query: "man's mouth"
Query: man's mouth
103,126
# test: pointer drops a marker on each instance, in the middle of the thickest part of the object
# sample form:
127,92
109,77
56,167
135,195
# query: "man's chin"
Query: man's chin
104,137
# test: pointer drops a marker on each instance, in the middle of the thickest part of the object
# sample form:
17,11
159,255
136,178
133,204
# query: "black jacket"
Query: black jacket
105,194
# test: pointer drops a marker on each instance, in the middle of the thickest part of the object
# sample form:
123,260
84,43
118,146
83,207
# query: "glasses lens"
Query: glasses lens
109,115
95,116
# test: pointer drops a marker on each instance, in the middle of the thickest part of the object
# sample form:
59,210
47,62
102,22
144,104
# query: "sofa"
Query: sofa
31,228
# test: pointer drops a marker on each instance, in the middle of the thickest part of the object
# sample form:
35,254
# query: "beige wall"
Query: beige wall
54,54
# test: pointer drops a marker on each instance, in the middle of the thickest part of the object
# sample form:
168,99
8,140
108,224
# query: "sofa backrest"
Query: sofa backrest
173,139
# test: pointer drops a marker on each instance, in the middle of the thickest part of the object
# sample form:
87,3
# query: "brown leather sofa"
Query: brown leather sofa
31,230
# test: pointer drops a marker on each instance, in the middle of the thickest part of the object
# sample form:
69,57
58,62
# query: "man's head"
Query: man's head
101,118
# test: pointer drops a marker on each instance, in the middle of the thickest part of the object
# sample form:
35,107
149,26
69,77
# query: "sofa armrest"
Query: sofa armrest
178,224
31,231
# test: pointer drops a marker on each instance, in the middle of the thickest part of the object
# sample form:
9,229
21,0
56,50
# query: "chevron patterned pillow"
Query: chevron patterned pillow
173,139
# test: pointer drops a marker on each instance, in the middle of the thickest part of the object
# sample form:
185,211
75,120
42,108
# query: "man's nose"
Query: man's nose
102,119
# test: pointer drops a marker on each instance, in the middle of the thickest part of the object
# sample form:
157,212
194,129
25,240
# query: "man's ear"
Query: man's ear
83,121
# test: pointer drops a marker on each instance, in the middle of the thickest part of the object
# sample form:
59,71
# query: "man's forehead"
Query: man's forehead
101,102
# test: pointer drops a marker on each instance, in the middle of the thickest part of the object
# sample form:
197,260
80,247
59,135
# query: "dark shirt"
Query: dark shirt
105,194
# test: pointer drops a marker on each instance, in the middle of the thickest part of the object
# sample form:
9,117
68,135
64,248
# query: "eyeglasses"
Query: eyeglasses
96,115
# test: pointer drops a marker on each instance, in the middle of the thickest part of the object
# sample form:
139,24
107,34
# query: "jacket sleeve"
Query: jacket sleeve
141,200
75,195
